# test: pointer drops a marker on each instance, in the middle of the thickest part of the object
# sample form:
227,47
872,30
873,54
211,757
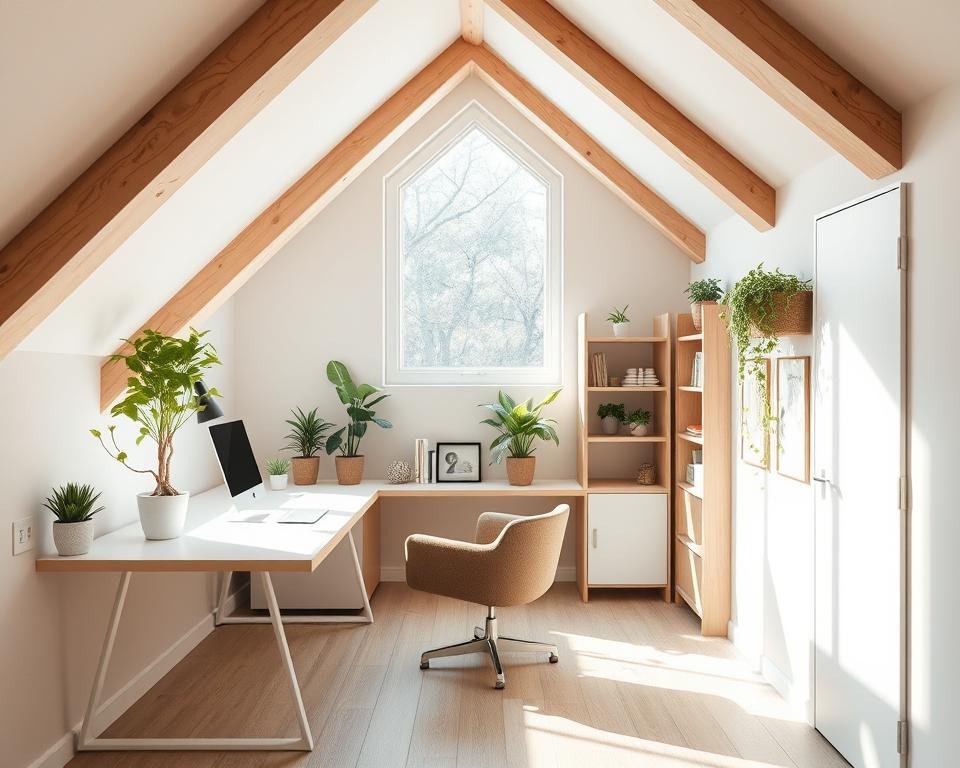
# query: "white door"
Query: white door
628,539
858,468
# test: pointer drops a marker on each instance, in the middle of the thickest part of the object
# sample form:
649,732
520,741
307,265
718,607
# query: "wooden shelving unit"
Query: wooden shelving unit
702,514
607,465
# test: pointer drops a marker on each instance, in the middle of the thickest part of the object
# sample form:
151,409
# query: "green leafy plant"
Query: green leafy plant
612,409
704,290
160,396
618,316
638,417
306,435
73,503
519,424
278,466
357,398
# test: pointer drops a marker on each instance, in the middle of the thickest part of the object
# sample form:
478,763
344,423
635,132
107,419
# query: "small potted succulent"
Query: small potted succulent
702,292
73,507
619,320
612,415
639,422
161,397
277,470
519,424
357,398
306,437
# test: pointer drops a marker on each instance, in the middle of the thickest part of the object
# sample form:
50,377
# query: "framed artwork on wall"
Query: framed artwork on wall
458,463
793,417
754,439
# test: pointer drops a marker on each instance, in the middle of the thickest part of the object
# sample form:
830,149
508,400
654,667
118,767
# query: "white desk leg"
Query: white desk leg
224,589
310,618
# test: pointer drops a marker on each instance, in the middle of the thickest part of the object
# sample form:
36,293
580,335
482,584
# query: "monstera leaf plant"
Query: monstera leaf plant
359,400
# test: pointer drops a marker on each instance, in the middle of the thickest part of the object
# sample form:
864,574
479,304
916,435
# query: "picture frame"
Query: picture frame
458,463
754,439
793,417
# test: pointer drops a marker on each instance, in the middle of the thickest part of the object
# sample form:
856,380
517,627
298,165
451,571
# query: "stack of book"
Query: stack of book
695,429
599,363
696,377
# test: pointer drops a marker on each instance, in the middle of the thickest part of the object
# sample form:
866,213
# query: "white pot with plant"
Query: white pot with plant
357,398
702,292
73,507
161,398
519,424
306,437
277,470
619,321
639,422
611,417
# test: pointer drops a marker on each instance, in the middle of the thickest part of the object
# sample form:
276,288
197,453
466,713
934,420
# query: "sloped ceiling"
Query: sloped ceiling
393,41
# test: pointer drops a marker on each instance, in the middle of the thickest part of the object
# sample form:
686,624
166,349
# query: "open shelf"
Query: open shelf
627,339
626,439
619,485
690,544
626,389
691,337
690,438
691,389
691,489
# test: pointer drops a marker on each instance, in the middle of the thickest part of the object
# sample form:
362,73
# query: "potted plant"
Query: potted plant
702,292
639,422
357,398
306,437
618,318
611,416
277,470
72,504
760,308
160,398
519,424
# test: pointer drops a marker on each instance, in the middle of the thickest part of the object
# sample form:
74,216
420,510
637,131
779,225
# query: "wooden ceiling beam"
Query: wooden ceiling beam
471,21
296,207
681,139
590,154
800,77
73,235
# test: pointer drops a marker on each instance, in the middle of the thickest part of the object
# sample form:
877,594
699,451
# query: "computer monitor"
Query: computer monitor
239,467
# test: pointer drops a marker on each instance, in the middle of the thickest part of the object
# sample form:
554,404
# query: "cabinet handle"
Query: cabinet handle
594,538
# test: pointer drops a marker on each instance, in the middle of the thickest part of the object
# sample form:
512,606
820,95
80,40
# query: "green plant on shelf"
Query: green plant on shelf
307,432
616,410
618,316
357,398
278,466
707,289
639,417
519,424
73,503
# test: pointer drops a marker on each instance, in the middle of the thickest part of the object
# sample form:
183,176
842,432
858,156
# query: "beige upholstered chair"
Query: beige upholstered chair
512,562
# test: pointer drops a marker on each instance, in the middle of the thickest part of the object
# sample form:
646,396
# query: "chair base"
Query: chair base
487,640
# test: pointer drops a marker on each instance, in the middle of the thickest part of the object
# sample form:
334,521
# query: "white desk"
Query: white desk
212,543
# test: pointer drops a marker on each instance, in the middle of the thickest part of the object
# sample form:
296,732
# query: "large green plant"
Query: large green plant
73,503
707,289
357,398
306,435
160,396
519,424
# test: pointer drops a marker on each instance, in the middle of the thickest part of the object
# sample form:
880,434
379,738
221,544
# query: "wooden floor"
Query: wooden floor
636,686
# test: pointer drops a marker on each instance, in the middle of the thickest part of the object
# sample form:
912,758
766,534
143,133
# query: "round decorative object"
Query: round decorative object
398,472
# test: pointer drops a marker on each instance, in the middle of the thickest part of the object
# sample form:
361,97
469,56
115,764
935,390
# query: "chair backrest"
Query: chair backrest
527,553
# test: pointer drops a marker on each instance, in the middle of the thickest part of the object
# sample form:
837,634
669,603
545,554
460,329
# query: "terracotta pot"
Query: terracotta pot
305,470
696,310
73,538
349,470
521,471
792,315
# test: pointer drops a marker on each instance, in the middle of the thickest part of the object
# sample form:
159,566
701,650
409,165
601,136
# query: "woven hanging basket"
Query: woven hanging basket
792,315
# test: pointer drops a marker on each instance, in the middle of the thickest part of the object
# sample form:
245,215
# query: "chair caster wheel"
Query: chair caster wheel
554,658
424,665
500,685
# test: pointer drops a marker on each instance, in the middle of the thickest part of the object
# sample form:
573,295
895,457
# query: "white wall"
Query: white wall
53,624
320,299
773,577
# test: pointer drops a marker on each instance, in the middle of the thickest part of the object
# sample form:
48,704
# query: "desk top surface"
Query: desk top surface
213,541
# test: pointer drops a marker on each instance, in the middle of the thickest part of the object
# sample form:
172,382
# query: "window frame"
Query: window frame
473,115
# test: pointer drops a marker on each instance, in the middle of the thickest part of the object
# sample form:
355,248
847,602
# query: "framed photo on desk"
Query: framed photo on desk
458,463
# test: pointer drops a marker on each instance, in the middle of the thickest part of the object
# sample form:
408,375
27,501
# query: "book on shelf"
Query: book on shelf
696,375
599,363
696,456
695,429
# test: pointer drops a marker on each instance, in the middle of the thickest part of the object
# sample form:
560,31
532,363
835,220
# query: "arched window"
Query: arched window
473,272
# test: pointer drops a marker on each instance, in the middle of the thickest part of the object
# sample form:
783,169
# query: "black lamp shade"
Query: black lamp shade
211,409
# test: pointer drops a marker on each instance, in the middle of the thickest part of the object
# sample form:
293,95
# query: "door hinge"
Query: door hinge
904,494
902,252
902,734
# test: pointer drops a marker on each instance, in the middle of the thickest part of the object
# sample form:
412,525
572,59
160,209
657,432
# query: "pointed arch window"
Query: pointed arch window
473,270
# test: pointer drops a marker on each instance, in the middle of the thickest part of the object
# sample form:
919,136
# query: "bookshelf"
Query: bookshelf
702,512
624,540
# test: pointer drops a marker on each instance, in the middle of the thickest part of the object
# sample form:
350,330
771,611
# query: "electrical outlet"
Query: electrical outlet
22,535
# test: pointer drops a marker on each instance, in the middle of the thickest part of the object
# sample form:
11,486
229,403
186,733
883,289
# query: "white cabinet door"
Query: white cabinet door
627,538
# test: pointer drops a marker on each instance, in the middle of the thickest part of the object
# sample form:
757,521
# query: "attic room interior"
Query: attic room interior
479,383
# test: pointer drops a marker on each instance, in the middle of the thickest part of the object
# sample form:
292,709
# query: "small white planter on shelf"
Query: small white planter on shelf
620,329
278,482
639,430
73,539
162,517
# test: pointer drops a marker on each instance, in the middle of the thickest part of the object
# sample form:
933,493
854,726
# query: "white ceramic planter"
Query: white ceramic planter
278,482
162,517
73,538
609,425
620,329
639,430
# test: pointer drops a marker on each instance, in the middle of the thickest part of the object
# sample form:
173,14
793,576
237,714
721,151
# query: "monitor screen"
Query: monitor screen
239,467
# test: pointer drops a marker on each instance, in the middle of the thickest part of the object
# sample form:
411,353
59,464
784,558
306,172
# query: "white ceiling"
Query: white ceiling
94,67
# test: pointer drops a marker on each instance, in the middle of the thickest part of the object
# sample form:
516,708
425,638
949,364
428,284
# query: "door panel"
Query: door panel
857,465
628,538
